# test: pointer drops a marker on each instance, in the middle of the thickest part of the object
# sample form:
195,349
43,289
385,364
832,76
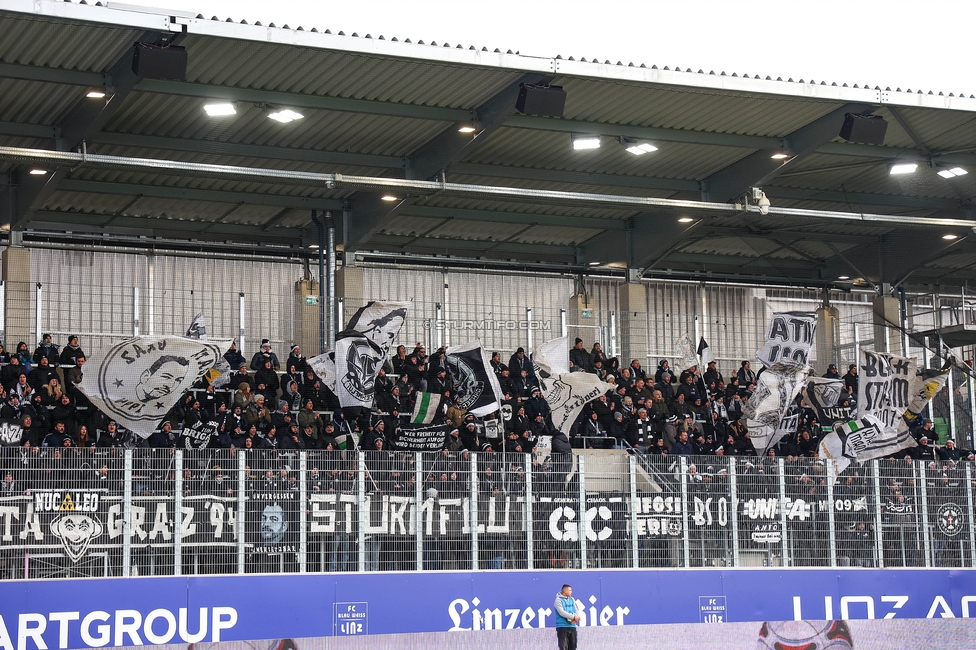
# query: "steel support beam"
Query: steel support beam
516,217
193,194
759,168
450,146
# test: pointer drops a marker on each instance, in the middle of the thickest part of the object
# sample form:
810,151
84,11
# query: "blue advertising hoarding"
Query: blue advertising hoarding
150,611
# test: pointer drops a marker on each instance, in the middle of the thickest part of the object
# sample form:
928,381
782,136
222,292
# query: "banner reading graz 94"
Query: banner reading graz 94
78,522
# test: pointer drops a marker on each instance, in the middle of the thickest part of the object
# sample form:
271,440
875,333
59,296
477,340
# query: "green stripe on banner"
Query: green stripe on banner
420,413
853,426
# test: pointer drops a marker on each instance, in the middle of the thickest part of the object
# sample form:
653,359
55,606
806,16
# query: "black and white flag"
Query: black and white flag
357,363
704,353
766,412
219,375
568,393
476,385
199,435
925,385
848,441
789,339
198,328
380,322
324,368
138,381
552,357
10,432
883,391
822,395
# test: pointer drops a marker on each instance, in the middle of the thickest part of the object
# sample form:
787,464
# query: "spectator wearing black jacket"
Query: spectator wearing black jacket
579,357
519,362
46,350
265,354
71,352
234,357
41,374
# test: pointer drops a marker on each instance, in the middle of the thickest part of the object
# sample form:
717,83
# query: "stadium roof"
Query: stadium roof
381,117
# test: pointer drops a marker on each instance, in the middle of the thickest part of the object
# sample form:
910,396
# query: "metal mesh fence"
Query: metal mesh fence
82,512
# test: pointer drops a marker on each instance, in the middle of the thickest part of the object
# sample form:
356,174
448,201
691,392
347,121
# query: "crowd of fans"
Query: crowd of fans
269,405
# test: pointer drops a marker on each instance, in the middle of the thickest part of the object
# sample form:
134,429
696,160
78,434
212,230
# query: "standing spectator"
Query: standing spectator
296,359
663,370
41,374
46,350
832,372
567,619
579,357
70,353
24,355
519,362
234,357
745,376
850,379
265,354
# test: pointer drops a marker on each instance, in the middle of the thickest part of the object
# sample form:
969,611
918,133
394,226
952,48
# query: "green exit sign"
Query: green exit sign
311,300
587,313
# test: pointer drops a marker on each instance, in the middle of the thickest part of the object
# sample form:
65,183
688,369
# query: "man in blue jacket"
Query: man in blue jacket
567,619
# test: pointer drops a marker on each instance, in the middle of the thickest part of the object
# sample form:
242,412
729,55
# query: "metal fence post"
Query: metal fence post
241,509
419,510
302,512
972,410
634,506
178,515
581,518
38,310
126,509
361,490
241,322
969,514
529,524
878,530
782,511
926,542
734,518
832,531
135,311
473,520
684,513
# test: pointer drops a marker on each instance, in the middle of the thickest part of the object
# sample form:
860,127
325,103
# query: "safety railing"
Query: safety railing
74,512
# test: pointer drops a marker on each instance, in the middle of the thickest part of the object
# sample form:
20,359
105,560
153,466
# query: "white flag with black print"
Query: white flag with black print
475,384
357,363
770,403
823,395
568,393
198,328
425,408
220,374
138,381
380,322
883,391
324,368
848,441
687,356
552,357
925,385
789,339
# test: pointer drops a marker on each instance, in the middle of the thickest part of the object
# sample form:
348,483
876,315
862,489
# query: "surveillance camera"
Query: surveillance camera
974,229
763,204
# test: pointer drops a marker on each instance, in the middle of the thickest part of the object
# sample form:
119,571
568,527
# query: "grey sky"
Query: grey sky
896,43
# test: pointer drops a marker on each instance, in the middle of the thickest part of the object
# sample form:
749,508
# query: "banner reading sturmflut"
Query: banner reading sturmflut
138,381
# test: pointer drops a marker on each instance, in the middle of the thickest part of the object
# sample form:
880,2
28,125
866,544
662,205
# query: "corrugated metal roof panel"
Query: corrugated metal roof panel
183,117
410,226
556,235
477,230
63,44
34,102
85,202
551,150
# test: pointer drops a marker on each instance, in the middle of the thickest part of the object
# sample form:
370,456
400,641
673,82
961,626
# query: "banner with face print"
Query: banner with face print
357,362
138,381
767,409
380,322
568,393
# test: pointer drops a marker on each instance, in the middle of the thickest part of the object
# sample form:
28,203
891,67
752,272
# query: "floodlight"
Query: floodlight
220,110
586,141
285,116
899,168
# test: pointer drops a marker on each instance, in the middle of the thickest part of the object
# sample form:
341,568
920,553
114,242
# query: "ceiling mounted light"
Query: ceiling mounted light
685,220
952,173
220,109
900,168
313,245
95,94
594,264
388,197
950,237
285,116
586,141
38,172
843,277
467,128
780,155
637,147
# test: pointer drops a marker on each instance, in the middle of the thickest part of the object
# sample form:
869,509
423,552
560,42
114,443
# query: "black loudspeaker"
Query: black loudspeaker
159,62
545,101
867,129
